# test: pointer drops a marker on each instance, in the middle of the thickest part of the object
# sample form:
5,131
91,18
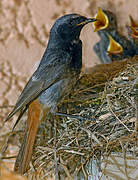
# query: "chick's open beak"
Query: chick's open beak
89,20
133,23
134,28
134,33
102,21
114,47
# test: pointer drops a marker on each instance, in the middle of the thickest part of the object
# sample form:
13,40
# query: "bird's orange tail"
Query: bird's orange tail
25,153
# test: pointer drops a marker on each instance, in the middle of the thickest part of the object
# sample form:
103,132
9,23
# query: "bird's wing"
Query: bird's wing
46,74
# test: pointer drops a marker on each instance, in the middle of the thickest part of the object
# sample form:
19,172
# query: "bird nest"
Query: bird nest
105,118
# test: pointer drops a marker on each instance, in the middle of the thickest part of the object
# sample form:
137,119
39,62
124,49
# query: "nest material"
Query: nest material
109,109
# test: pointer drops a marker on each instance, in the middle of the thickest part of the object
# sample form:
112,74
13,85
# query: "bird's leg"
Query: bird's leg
74,116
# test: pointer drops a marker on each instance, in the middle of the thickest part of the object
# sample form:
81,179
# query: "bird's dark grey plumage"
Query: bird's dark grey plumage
61,63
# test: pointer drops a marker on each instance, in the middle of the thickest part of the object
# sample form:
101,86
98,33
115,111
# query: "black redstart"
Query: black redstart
56,75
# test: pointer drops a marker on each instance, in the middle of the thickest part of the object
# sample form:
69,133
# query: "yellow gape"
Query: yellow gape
102,21
114,47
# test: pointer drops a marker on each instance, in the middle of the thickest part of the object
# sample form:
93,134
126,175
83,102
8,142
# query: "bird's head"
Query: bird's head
105,20
68,27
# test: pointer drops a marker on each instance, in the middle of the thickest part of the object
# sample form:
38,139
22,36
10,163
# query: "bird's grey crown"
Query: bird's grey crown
64,19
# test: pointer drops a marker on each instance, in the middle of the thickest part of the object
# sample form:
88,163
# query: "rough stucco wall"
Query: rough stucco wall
24,31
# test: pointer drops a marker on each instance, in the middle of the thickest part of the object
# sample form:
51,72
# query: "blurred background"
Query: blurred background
24,32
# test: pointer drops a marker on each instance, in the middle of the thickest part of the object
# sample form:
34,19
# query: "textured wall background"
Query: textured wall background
24,31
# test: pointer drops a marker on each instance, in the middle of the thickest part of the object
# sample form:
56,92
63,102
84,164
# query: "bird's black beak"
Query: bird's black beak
89,20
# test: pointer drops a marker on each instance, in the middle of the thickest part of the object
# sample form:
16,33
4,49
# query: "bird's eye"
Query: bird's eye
71,22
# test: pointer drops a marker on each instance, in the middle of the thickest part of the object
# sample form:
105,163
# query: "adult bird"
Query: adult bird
56,75
106,27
